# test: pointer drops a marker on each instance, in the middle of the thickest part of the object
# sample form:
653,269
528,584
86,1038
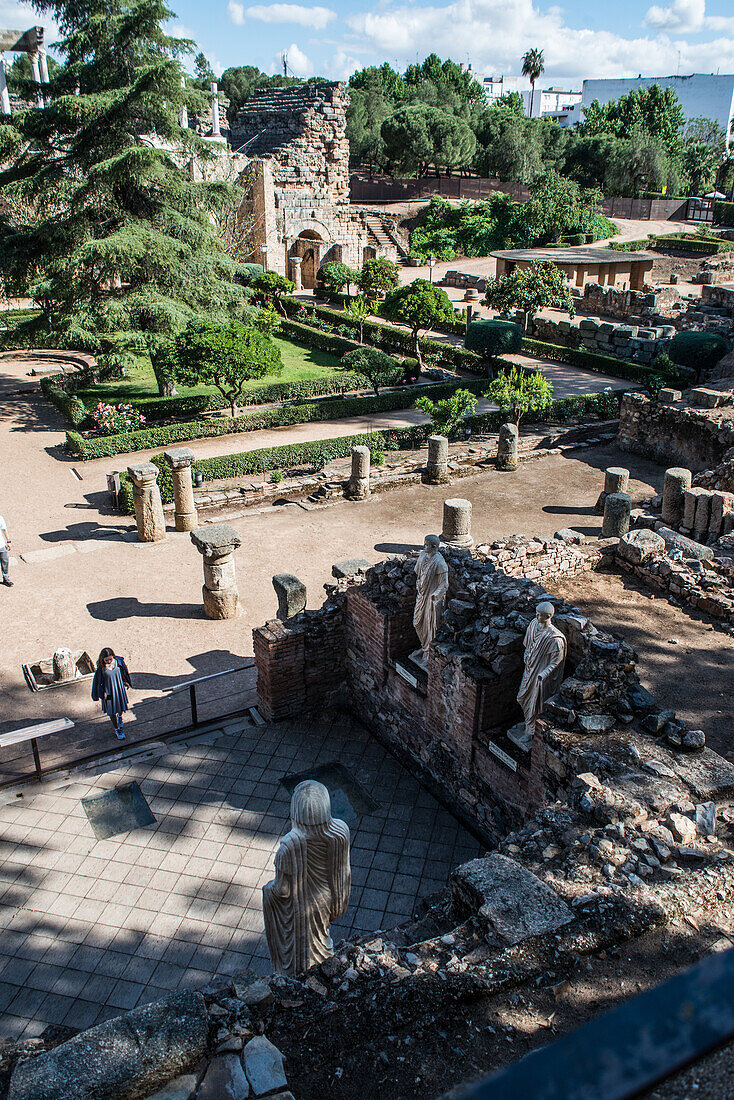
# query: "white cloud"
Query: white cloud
494,34
236,12
681,16
723,23
289,13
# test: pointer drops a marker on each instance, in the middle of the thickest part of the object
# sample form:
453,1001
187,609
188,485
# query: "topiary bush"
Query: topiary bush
700,351
336,276
490,338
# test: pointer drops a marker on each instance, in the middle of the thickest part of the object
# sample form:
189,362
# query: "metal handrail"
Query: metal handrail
191,685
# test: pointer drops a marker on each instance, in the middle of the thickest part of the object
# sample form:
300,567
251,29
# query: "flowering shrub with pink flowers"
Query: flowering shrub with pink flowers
112,419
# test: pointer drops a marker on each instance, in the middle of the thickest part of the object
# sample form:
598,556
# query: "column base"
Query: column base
220,605
435,475
186,521
461,542
507,462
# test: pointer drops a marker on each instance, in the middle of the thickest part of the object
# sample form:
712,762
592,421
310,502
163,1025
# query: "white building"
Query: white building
497,86
552,103
702,95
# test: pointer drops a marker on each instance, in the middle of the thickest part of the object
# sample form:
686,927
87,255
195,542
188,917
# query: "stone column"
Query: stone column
690,504
722,504
43,66
437,467
457,523
184,109
616,480
147,500
291,595
677,481
617,508
216,132
36,75
217,545
296,262
507,447
4,93
180,460
702,517
359,482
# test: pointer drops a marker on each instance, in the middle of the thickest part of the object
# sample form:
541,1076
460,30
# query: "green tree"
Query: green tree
533,65
512,102
226,356
203,72
491,338
122,250
420,305
699,351
509,146
378,276
379,368
519,392
359,310
447,415
654,111
704,154
559,207
271,287
336,275
417,137
542,285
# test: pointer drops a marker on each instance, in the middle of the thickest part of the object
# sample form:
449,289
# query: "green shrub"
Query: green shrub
577,238
336,275
692,244
699,351
491,338
69,405
276,477
377,457
589,360
723,213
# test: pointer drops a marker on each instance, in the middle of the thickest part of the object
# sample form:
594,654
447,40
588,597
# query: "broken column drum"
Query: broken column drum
507,447
437,466
149,516
180,460
63,665
217,545
702,517
690,507
616,480
359,482
457,523
677,482
617,508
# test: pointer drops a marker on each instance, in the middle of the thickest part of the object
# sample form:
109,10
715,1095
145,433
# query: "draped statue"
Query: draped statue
311,885
545,655
430,595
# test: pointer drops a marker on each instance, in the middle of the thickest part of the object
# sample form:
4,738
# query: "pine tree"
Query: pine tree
112,237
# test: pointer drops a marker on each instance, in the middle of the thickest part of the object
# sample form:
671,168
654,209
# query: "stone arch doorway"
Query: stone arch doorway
368,253
309,247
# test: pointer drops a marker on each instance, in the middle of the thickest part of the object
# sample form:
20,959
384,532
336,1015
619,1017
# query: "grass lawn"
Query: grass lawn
139,383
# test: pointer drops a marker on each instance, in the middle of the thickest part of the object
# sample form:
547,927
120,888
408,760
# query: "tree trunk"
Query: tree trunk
417,345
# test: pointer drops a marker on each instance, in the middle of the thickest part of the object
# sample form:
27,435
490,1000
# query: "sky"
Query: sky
579,39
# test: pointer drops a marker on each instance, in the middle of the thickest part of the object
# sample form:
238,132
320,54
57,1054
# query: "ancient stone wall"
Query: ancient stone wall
674,435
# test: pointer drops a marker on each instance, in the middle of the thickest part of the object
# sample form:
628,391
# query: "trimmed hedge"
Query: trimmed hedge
60,390
699,245
254,462
493,337
284,416
601,364
723,213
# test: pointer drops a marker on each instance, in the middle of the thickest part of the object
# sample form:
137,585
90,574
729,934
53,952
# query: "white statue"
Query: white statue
545,655
311,885
430,595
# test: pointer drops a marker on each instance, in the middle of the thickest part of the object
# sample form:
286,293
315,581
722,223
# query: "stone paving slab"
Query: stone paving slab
91,928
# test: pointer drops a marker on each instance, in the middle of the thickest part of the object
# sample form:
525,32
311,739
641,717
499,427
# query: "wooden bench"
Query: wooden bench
32,733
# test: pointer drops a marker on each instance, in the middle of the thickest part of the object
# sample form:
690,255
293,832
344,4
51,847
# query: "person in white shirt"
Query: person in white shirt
5,543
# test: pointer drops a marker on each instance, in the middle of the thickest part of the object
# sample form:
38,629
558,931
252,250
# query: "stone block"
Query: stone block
704,398
349,567
224,1079
638,546
507,446
617,508
291,595
668,396
512,902
263,1066
677,482
123,1059
688,547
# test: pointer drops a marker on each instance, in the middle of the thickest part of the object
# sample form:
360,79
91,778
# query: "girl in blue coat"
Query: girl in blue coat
108,687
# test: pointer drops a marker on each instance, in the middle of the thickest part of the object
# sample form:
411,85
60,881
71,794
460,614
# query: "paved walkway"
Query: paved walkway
89,928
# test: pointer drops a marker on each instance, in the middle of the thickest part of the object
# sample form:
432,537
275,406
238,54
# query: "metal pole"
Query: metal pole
36,757
194,711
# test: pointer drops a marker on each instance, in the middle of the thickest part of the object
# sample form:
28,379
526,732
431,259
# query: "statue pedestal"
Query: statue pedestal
418,658
520,737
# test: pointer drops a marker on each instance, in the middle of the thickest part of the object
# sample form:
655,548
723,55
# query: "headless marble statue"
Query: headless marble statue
545,655
430,596
311,885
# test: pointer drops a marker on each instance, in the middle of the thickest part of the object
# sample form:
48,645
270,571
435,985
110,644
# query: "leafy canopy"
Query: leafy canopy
418,137
542,285
378,276
227,356
493,337
336,275
519,392
109,235
379,368
447,415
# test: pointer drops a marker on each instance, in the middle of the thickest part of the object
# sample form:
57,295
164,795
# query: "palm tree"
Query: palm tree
532,66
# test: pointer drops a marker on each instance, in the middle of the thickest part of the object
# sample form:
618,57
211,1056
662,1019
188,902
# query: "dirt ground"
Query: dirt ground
683,659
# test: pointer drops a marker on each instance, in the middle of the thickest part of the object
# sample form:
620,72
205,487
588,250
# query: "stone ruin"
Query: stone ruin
290,145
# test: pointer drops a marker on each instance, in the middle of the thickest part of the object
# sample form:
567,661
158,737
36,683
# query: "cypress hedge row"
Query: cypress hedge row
284,416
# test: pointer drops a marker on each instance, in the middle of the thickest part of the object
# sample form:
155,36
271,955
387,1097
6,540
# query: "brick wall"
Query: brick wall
672,434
